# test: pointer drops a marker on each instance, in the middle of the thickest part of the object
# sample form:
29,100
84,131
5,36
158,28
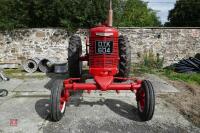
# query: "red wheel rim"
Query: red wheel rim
63,99
142,100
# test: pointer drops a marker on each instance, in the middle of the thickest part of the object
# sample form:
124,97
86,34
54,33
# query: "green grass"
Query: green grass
191,78
12,71
141,69
21,74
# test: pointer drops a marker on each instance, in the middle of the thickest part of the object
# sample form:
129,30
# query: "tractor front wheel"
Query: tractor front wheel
146,101
59,98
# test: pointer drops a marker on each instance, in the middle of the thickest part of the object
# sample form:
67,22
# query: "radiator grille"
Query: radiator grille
103,60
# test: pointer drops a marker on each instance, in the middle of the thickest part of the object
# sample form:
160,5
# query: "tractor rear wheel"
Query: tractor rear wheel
74,52
125,56
146,101
59,98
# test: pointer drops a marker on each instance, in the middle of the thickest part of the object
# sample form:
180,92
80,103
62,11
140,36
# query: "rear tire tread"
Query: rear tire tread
74,52
125,57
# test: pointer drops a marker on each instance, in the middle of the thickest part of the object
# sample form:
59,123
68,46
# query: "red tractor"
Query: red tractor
109,60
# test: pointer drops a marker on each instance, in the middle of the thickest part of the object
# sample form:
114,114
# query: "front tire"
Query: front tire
59,100
146,101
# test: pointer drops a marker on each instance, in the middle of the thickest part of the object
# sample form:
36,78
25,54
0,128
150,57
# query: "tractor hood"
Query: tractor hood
103,31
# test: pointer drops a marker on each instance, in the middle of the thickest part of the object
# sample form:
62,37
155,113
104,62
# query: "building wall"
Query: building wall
172,44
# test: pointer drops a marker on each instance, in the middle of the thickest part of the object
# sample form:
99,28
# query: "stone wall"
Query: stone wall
172,44
18,45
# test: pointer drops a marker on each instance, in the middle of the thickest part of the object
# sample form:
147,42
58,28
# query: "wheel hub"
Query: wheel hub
63,99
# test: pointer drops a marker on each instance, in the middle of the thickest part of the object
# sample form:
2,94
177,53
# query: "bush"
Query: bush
152,61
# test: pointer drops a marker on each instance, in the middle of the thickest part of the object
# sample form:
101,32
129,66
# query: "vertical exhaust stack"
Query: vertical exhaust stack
110,14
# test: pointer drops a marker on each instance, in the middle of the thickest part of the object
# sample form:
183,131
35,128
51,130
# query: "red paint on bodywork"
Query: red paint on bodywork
103,82
71,84
100,64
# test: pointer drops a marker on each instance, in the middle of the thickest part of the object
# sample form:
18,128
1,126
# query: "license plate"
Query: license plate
104,47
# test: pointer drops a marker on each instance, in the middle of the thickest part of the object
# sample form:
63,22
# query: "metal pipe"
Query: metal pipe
2,76
31,65
110,14
91,86
60,68
45,65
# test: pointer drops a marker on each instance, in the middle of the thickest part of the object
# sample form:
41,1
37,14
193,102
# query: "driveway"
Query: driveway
26,109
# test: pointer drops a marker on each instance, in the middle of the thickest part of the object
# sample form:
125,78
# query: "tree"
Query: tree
136,13
186,13
73,14
88,13
51,13
6,22
83,13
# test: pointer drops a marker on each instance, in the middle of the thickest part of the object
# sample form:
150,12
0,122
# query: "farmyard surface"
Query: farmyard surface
28,102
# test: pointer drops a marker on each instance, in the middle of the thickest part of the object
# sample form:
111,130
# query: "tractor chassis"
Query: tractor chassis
74,84
143,90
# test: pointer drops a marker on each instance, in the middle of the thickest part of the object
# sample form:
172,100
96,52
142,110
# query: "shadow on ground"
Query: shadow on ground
119,107
42,108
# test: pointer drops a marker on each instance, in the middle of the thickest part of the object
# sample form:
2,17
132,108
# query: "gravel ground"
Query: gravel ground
107,112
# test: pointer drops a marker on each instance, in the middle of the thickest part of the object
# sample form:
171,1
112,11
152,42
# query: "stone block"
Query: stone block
40,34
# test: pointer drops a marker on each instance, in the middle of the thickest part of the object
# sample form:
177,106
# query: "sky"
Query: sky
162,7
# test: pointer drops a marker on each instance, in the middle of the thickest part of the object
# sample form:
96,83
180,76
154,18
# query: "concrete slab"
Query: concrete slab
116,115
101,112
160,85
105,114
26,111
33,85
11,84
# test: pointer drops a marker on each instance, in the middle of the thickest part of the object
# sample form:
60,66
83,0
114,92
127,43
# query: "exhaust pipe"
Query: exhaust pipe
110,14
